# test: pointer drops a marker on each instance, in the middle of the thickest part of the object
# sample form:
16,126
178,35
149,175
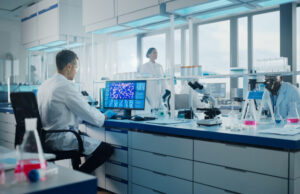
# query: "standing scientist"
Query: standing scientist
153,70
62,106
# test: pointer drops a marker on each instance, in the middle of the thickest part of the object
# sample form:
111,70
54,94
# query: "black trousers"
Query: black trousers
97,158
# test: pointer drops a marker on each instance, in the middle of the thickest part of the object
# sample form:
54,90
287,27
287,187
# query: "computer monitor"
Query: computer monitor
127,95
217,90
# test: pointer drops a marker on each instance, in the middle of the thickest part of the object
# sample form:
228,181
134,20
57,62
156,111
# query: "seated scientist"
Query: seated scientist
62,106
283,95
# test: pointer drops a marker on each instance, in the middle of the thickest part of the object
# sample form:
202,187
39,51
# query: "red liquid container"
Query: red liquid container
28,165
250,123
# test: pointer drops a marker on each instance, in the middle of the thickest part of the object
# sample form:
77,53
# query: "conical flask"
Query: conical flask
31,155
250,115
293,116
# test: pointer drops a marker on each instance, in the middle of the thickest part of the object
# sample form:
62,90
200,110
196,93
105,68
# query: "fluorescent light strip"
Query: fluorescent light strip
223,12
145,21
52,49
55,43
274,2
110,29
203,7
164,25
129,32
73,45
37,48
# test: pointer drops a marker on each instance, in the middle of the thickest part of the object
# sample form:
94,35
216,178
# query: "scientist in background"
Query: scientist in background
62,106
155,89
285,97
35,78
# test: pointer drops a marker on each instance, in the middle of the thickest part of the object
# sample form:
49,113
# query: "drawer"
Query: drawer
7,144
201,189
8,127
100,174
7,137
7,118
116,137
243,157
166,145
177,167
237,180
159,182
115,185
136,189
120,154
116,170
95,132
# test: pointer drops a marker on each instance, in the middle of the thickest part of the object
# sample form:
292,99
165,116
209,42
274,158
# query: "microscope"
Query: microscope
211,114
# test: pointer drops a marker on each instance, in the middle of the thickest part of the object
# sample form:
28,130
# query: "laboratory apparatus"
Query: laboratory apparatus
211,114
125,95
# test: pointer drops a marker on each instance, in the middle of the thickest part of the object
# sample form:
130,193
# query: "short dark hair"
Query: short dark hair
150,51
64,57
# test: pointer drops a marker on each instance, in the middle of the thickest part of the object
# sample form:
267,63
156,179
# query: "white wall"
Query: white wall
10,42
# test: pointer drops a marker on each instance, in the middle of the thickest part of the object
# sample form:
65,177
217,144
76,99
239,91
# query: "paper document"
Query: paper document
166,121
282,131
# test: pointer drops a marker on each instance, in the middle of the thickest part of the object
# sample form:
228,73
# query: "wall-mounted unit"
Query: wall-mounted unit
268,3
51,22
145,16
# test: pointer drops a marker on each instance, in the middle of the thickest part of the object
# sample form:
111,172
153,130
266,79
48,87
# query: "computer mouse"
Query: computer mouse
137,118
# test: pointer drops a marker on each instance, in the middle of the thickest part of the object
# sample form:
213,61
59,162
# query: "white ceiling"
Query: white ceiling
12,9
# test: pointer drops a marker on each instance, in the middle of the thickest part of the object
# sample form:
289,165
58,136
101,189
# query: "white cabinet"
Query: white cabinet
29,24
128,6
51,20
96,11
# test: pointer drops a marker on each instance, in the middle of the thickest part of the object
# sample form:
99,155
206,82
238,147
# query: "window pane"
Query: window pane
214,47
187,47
177,49
214,51
243,42
158,42
266,36
127,55
298,43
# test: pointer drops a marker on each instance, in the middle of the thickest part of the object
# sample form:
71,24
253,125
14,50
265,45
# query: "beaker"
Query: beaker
31,155
250,117
293,116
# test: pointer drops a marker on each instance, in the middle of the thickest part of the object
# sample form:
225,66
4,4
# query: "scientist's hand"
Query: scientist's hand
109,114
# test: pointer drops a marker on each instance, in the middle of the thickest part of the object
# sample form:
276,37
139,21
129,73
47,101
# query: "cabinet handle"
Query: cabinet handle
155,191
227,191
162,155
235,169
159,173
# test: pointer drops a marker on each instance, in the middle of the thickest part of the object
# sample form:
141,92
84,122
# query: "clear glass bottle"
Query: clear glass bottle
250,119
293,116
31,155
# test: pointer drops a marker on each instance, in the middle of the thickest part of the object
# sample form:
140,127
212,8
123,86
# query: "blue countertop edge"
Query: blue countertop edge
275,143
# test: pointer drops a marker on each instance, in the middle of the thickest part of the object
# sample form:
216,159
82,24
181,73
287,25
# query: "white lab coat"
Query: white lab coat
155,89
288,95
62,106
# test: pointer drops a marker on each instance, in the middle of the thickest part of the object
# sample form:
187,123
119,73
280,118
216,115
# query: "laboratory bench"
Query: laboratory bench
181,157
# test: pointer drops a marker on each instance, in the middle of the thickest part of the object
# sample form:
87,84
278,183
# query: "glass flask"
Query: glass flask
30,153
293,116
250,117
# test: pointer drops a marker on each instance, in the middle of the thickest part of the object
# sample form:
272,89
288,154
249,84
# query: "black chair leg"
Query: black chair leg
76,162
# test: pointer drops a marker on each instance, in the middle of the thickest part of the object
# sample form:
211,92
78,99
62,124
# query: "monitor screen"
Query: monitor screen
217,90
125,95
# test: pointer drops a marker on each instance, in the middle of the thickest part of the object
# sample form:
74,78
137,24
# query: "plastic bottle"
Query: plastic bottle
31,155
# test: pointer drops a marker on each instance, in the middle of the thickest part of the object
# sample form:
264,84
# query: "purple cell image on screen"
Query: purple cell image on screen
122,91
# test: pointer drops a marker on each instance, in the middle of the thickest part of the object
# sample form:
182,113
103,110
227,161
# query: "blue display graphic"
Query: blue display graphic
125,94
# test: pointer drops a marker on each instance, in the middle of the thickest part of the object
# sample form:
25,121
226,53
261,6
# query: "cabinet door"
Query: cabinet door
29,24
48,18
128,6
96,11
